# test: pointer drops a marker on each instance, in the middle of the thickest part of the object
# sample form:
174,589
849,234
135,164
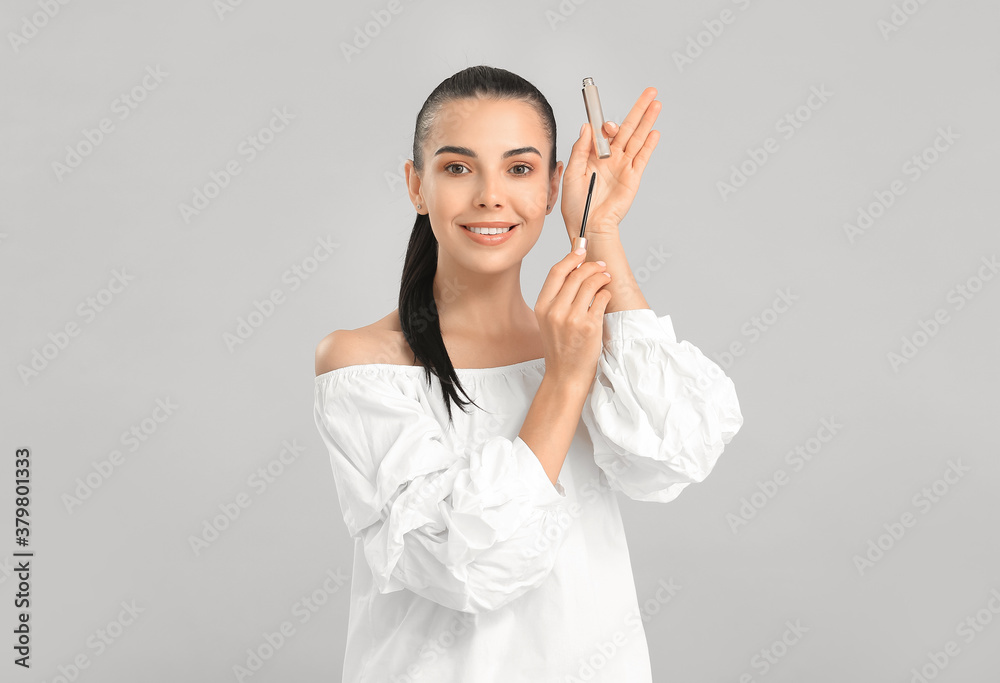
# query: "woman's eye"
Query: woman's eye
449,167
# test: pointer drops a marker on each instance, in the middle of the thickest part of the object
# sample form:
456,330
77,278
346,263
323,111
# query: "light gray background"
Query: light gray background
335,172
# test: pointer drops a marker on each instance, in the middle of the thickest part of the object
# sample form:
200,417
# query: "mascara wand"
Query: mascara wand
581,241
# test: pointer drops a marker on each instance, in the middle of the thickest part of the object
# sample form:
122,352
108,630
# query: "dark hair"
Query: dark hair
418,314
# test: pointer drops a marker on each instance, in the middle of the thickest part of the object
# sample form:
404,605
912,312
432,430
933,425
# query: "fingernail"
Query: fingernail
581,129
580,250
601,263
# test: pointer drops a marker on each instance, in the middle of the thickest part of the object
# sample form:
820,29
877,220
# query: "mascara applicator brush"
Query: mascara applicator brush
581,241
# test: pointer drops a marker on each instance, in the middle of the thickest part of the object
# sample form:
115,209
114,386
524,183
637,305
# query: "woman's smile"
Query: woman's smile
490,233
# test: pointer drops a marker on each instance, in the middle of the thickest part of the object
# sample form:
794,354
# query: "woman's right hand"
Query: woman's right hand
572,329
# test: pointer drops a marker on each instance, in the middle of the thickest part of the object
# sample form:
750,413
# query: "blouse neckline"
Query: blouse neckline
411,369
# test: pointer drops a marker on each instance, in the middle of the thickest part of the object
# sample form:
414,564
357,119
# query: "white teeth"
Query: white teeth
487,231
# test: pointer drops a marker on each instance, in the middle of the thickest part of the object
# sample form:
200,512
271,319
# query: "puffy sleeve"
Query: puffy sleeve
659,412
470,529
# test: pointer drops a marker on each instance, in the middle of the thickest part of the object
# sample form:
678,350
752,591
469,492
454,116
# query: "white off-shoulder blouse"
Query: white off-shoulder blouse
469,565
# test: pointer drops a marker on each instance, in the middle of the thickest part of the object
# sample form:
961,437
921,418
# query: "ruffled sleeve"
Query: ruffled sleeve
659,412
471,530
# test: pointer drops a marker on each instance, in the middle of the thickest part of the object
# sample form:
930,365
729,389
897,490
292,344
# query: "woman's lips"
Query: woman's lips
490,240
488,224
513,225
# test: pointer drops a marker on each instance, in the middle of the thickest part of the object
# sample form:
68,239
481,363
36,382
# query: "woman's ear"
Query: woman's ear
554,186
412,183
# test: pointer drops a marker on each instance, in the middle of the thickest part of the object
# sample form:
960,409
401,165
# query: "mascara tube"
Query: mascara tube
593,103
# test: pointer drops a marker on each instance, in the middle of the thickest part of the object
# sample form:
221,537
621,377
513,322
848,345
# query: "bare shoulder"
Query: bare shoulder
339,349
380,342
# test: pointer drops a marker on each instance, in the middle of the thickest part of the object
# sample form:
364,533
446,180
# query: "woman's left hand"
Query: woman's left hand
617,176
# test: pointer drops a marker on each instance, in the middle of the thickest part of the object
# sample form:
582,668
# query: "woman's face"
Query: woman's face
486,160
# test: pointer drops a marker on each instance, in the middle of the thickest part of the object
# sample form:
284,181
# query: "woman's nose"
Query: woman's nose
491,192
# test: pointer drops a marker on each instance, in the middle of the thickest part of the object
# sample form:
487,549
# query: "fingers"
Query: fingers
600,304
577,164
589,286
580,286
557,276
642,158
640,134
638,123
565,279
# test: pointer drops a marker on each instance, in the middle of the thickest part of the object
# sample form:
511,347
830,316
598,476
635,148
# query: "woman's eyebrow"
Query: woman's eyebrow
465,151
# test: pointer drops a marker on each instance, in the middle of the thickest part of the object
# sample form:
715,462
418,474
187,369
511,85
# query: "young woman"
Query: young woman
488,541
